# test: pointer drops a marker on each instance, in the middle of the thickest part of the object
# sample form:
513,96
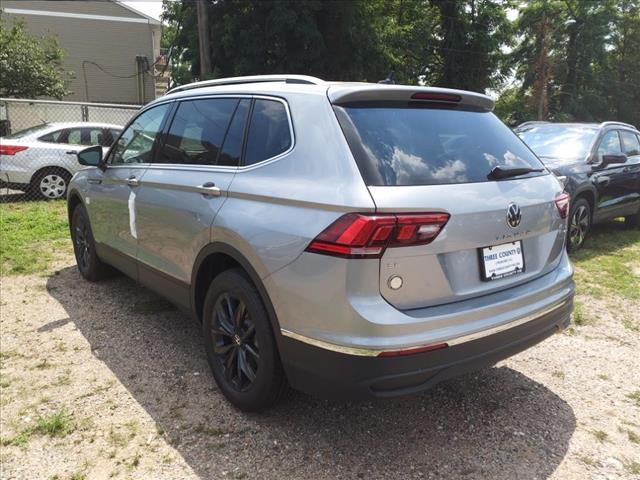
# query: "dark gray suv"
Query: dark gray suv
600,165
350,240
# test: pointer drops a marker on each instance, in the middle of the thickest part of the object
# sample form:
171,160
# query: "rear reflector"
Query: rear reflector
562,202
436,97
357,235
411,351
11,149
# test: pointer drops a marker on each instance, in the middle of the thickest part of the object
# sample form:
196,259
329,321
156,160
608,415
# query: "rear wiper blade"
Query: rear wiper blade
499,172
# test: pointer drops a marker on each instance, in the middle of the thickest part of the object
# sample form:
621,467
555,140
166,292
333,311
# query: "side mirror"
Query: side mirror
610,159
91,157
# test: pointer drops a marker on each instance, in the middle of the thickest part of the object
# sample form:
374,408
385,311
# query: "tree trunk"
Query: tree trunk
204,43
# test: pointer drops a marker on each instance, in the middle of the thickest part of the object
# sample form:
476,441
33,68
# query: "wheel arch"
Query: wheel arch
73,200
214,259
590,196
50,168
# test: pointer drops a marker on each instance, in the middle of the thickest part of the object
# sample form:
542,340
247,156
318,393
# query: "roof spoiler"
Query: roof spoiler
341,94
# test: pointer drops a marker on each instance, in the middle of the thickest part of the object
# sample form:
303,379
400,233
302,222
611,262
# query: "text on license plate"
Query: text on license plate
501,261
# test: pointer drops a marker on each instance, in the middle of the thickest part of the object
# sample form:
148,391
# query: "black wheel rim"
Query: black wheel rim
235,344
83,247
578,226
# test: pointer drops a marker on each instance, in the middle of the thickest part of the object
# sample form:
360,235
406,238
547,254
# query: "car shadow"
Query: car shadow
496,423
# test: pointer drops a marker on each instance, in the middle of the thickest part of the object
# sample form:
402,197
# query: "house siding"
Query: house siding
113,45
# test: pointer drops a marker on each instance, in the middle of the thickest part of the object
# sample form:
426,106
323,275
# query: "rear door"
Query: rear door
631,171
185,187
424,159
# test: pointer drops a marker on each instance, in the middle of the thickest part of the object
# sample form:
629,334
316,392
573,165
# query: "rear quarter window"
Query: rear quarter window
400,145
269,132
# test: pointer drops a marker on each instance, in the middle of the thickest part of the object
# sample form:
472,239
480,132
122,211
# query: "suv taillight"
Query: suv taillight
562,202
11,149
358,235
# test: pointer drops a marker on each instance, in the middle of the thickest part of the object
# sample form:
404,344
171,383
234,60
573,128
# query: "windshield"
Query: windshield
559,141
27,131
400,145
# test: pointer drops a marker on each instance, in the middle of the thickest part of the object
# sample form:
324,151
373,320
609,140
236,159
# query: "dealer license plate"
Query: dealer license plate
500,261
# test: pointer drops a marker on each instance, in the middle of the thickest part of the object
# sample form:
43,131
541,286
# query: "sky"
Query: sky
148,7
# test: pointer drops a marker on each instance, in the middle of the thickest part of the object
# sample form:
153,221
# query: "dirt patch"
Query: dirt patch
108,381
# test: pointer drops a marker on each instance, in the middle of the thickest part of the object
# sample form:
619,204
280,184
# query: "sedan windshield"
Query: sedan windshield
558,141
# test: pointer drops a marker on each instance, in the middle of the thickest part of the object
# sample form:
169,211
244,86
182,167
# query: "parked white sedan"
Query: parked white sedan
42,159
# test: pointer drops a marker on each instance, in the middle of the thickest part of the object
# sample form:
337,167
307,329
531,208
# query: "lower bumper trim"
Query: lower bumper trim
366,352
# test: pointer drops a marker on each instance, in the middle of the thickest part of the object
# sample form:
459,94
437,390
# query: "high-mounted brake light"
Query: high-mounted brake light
11,149
562,202
357,235
436,97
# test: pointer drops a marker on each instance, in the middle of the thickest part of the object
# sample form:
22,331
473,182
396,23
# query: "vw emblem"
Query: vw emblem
513,215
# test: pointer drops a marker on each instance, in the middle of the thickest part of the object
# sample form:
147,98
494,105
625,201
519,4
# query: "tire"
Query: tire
632,221
579,224
84,247
240,345
50,184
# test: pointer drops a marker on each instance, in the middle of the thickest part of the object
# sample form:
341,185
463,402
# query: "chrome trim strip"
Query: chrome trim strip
365,352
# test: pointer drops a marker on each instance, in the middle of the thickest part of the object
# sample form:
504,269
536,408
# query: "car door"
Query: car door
631,172
185,187
54,149
609,180
111,201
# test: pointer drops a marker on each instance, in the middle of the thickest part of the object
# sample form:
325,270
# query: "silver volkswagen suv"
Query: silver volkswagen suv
350,240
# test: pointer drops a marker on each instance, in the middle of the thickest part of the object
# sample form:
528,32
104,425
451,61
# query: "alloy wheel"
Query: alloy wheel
578,226
234,341
83,252
53,186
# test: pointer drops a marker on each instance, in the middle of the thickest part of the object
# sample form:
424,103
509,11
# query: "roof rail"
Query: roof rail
606,124
304,79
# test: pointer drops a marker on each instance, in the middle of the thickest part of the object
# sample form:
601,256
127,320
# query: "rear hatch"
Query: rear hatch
433,151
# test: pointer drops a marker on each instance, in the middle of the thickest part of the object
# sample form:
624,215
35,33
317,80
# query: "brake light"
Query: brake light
357,235
562,202
436,97
411,351
11,149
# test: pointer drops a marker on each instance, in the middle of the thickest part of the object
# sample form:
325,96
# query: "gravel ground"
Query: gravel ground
127,377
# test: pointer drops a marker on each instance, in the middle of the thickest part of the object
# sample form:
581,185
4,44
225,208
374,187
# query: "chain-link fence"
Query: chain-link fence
39,140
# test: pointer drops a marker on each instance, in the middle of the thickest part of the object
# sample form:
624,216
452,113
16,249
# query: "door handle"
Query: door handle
133,181
72,152
209,188
94,181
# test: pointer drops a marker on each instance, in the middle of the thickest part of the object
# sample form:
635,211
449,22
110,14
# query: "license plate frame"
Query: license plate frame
493,270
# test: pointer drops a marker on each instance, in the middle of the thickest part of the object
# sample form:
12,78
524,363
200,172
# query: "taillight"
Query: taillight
357,235
11,149
562,202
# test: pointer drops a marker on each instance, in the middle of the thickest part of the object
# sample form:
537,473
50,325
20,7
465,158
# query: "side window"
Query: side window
609,145
197,131
136,143
92,136
630,144
53,137
232,146
269,133
74,137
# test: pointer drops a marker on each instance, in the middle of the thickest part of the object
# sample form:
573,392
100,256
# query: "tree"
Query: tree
30,67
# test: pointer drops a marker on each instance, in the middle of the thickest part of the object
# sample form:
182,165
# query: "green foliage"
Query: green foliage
31,67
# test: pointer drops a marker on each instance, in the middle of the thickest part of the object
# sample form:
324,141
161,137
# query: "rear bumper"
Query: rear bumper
332,374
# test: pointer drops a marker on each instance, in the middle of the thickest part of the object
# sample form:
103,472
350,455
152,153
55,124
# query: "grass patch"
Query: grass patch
604,265
633,436
632,467
600,435
558,374
58,424
580,317
635,396
31,233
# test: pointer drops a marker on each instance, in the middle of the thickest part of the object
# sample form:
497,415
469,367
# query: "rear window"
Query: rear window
427,146
27,131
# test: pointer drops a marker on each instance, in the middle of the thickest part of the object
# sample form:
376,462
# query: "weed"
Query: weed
632,467
633,436
635,396
58,424
600,435
558,374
